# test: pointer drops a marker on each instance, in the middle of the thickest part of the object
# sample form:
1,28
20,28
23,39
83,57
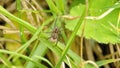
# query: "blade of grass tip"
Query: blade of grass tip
70,40
24,57
31,28
53,8
40,51
41,58
35,46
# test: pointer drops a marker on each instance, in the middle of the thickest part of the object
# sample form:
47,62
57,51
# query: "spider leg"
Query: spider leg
57,40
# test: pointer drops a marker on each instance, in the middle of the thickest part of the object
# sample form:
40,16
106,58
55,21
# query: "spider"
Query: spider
55,34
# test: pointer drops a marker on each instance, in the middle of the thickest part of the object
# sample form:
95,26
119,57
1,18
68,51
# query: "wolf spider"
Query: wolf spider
55,33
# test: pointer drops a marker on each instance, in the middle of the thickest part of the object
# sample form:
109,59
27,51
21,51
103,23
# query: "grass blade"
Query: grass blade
31,28
70,41
53,8
23,56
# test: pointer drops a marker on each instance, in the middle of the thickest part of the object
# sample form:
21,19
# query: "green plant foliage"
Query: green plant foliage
104,62
99,29
101,63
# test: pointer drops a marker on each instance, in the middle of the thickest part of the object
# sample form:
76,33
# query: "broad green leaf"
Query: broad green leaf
99,29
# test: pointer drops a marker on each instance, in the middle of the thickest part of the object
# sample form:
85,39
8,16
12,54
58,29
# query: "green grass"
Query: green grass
38,46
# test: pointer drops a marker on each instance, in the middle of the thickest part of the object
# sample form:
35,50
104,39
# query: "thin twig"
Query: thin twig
82,34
